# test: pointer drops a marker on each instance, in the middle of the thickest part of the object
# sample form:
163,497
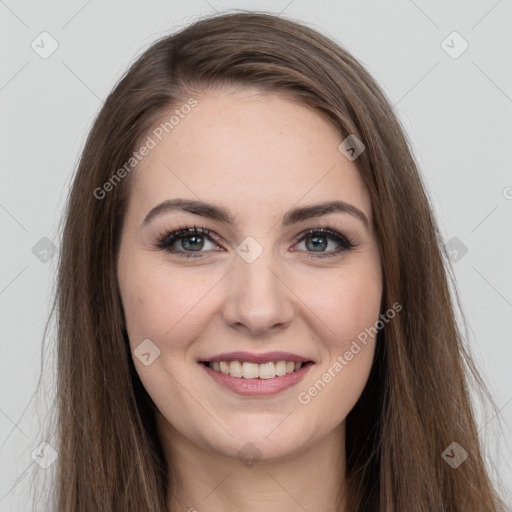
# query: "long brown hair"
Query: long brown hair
416,402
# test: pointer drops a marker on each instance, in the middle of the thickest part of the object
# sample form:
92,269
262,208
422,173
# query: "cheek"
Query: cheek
163,306
355,309
347,309
345,304
170,310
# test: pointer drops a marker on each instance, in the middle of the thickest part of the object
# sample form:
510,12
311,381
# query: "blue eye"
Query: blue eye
317,240
192,240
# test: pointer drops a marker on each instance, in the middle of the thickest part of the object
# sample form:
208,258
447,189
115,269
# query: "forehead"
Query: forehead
245,147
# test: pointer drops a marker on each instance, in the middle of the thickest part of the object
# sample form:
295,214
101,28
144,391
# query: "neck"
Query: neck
204,481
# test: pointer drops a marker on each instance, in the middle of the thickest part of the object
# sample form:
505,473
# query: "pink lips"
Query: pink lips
255,358
257,387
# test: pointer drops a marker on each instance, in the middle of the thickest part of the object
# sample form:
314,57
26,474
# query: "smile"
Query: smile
256,379
248,370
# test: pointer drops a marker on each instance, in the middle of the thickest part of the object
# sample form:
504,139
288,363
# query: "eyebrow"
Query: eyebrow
293,216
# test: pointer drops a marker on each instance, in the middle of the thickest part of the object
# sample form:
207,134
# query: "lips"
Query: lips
247,357
256,374
254,370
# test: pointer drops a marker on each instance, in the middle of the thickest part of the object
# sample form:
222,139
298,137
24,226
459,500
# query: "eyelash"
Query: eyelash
166,239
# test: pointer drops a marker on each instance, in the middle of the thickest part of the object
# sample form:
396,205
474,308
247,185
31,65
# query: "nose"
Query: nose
258,299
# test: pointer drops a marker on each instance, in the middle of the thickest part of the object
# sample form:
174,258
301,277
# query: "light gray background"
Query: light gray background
457,112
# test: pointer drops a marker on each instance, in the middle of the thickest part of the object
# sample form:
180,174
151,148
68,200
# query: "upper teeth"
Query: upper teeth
253,370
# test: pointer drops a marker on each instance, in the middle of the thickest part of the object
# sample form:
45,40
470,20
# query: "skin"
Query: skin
257,155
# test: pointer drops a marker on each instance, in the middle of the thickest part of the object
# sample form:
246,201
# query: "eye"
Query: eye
317,240
186,241
189,242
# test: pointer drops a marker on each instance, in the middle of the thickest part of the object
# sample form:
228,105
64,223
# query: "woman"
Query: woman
254,311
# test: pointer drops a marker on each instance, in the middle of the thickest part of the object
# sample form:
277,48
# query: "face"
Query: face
218,317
